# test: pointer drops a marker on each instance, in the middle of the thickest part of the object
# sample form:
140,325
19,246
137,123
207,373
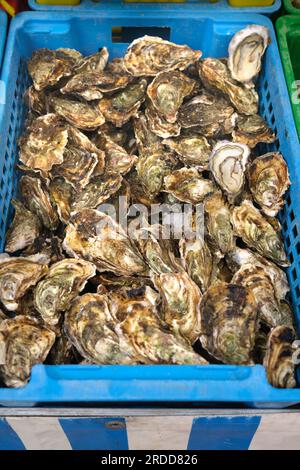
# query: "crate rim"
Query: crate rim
3,31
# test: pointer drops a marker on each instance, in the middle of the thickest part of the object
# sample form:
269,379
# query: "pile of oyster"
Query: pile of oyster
159,126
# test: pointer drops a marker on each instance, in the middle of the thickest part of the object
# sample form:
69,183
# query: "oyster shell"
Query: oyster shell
258,233
44,143
228,322
188,186
17,275
62,351
180,308
117,159
228,164
64,280
159,126
252,130
216,76
48,248
36,101
278,359
245,52
193,150
220,230
24,229
36,198
121,106
146,139
268,178
99,189
95,236
198,261
91,329
167,92
152,168
82,115
62,193
150,55
25,342
92,63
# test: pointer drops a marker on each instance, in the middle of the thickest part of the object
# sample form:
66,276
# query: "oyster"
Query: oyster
117,159
180,308
216,76
47,67
99,189
228,164
46,247
93,63
228,322
245,52
82,115
25,342
188,186
252,130
152,168
150,55
24,229
193,150
62,351
205,110
44,143
260,283
167,92
62,193
36,198
121,106
17,275
268,177
159,126
278,359
258,233
146,139
91,328
64,280
95,236
220,230
198,261
35,100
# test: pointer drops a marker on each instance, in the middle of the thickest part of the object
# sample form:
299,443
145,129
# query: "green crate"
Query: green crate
290,7
288,32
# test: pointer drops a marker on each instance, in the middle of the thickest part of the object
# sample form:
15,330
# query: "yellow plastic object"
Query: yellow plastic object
58,2
251,3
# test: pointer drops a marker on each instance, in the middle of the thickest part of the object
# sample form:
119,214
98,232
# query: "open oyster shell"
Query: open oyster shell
82,115
95,236
268,178
64,280
167,92
188,185
24,229
228,322
152,168
198,261
245,52
258,233
150,55
25,342
17,275
278,359
228,162
193,150
252,130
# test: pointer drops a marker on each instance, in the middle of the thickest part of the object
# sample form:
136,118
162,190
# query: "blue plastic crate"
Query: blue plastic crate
210,33
221,6
3,26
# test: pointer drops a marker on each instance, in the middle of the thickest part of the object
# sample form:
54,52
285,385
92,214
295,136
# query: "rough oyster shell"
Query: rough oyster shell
37,199
268,178
62,193
35,100
44,143
46,247
193,150
215,75
159,126
64,280
62,351
217,218
252,130
188,186
25,342
245,52
93,63
95,236
150,55
228,322
152,168
82,115
146,140
198,261
258,233
180,308
167,92
17,275
278,359
117,159
121,106
228,164
24,229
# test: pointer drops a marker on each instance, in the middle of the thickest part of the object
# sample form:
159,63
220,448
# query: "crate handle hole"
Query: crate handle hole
127,34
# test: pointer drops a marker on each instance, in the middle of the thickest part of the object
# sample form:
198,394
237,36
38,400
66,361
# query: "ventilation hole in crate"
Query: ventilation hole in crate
265,85
288,241
297,291
270,108
288,200
284,226
268,96
272,120
291,256
294,274
292,216
295,231
262,109
298,247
